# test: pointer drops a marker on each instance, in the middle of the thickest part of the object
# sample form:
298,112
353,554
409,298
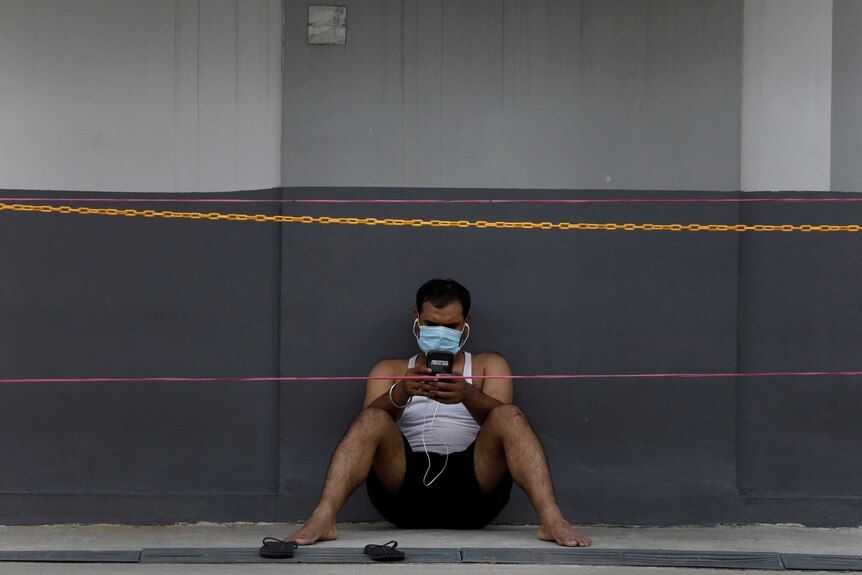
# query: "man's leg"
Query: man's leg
507,442
372,440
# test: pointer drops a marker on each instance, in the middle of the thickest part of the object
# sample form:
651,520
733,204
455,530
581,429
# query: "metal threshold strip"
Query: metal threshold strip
482,555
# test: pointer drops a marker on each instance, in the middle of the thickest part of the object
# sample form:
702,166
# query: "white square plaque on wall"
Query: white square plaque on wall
327,25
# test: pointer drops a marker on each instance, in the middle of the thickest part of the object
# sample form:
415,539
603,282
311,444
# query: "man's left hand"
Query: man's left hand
451,389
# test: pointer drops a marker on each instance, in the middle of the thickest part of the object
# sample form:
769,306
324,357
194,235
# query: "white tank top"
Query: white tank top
453,430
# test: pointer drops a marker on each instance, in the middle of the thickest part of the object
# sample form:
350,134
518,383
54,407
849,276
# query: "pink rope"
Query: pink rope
759,374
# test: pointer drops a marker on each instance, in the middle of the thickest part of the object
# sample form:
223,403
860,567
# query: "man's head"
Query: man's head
442,304
438,294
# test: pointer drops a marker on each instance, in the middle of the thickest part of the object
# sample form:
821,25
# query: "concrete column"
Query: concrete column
786,95
846,103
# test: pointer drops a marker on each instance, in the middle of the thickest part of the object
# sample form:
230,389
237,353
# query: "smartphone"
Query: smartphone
440,362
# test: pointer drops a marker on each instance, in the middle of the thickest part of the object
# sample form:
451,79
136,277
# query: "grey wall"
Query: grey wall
534,94
184,298
521,99
621,451
798,436
93,297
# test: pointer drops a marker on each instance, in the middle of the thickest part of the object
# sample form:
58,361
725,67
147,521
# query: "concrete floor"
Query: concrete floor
780,538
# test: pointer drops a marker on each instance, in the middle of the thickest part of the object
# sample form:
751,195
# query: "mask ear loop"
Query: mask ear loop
425,481
467,327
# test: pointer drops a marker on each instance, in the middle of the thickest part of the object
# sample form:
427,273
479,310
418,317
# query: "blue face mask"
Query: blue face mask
439,338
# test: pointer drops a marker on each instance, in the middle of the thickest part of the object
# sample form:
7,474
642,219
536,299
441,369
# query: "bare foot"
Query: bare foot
563,533
317,528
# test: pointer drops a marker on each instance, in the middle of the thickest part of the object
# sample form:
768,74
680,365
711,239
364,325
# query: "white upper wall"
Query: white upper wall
140,95
186,95
787,95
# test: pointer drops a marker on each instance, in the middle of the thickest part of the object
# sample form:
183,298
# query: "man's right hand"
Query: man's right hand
420,387
379,390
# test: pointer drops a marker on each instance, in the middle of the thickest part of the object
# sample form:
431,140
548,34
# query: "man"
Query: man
440,451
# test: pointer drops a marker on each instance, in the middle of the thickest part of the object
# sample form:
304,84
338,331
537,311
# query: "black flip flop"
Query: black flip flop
385,552
273,548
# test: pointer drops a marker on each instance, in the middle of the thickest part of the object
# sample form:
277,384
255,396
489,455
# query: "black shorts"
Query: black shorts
453,501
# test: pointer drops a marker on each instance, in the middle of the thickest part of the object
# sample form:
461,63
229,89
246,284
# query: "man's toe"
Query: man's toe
298,539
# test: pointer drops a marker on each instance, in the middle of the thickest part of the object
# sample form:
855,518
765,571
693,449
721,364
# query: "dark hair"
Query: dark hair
443,292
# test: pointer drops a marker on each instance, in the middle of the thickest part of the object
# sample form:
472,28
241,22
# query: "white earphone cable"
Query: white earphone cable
426,425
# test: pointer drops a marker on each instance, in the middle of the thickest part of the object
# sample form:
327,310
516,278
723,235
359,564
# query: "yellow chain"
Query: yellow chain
418,223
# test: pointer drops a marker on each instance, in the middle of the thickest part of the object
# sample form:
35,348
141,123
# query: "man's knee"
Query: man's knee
506,415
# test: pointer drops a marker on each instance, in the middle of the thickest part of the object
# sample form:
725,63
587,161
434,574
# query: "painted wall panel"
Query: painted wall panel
624,94
135,297
259,35
621,451
218,97
472,70
787,85
542,59
799,311
846,103
342,104
171,297
540,94
423,95
186,170
140,96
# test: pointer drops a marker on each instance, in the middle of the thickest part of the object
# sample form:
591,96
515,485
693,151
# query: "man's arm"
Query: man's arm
500,387
377,390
